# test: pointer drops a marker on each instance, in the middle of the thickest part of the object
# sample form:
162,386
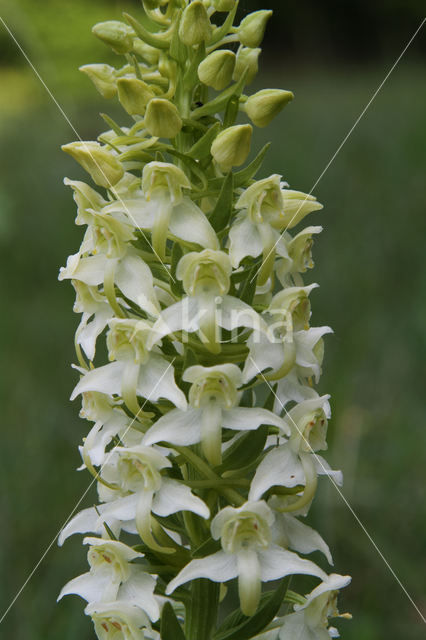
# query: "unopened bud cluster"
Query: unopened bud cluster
205,418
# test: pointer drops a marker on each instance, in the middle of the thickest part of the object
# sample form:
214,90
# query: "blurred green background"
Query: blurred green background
369,262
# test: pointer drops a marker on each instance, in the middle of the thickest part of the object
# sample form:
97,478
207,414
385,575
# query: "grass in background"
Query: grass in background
370,264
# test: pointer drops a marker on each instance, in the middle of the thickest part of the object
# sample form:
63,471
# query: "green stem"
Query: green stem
201,610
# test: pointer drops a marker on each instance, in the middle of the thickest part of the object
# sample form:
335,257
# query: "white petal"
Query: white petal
106,379
277,563
189,223
174,496
178,427
302,538
139,590
84,522
89,586
248,419
88,333
134,278
289,388
89,270
139,212
281,466
122,509
181,315
156,380
333,582
245,241
219,567
235,313
323,469
295,628
263,355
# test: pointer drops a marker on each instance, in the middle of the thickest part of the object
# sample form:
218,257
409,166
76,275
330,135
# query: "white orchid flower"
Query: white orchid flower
213,400
165,211
136,473
135,370
206,281
113,577
266,209
310,620
247,554
130,274
119,620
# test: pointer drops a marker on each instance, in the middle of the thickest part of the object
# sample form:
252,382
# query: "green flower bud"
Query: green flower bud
224,5
297,205
104,168
252,28
103,77
118,35
134,95
154,4
263,106
195,26
246,59
232,146
162,118
145,51
216,70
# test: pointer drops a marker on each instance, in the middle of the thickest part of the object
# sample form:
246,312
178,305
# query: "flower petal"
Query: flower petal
189,223
156,380
277,563
139,589
219,567
174,496
178,427
244,240
106,379
300,537
281,467
248,419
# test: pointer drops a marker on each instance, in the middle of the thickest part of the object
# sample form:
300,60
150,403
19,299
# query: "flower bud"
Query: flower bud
195,26
118,35
104,168
252,28
224,5
246,59
297,205
263,106
216,70
103,77
134,95
232,146
162,118
145,51
154,4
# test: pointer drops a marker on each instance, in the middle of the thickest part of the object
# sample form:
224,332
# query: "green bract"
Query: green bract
206,421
